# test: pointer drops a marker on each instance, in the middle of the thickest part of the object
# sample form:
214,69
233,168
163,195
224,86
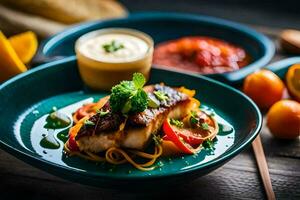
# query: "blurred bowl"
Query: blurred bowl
167,26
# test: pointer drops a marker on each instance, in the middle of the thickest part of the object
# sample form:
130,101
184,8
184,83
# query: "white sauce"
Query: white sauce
134,48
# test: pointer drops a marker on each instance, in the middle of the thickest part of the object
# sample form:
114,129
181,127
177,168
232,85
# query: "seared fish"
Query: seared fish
114,130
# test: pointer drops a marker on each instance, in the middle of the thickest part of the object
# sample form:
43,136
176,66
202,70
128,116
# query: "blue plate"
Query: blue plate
167,26
29,97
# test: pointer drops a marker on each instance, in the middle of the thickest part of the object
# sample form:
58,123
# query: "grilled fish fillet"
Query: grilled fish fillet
114,130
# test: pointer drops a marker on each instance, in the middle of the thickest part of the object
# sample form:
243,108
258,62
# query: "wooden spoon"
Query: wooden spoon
290,41
263,167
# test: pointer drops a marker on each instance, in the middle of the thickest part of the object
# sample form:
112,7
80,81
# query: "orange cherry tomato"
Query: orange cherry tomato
264,87
293,81
283,119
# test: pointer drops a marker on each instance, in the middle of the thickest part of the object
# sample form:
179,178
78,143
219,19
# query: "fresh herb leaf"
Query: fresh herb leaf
128,96
193,118
102,113
205,126
161,95
157,139
138,80
113,46
88,123
176,122
208,144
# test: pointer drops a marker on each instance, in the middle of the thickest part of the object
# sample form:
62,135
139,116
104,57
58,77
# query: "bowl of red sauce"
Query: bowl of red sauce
218,48
201,54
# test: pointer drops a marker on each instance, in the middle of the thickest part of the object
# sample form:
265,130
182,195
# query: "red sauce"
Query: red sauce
205,55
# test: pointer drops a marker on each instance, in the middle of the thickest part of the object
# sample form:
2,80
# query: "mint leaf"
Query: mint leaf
138,80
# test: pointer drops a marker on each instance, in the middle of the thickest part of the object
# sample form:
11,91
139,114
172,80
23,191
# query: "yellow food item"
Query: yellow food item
264,87
70,11
25,45
11,64
113,52
283,119
293,81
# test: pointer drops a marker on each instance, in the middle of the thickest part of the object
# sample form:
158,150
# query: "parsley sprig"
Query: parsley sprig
113,46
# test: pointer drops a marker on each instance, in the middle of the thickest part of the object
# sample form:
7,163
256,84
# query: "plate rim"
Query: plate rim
219,160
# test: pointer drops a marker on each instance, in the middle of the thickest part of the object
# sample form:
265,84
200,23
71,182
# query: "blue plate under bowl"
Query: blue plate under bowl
167,26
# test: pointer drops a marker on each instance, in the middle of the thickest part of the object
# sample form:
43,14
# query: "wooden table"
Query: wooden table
238,179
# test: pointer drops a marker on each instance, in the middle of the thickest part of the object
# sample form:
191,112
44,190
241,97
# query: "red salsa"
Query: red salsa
205,55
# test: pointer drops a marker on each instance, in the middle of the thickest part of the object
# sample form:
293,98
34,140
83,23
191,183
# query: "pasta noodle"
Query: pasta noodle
115,155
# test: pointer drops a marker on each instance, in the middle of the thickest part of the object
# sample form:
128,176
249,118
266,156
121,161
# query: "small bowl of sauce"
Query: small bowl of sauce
200,54
107,56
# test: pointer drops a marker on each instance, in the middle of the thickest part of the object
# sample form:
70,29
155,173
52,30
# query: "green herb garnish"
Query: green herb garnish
208,144
161,95
157,139
129,96
88,123
193,118
205,126
102,113
113,46
176,122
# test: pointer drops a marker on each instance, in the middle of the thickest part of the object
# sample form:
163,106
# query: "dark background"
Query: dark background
276,13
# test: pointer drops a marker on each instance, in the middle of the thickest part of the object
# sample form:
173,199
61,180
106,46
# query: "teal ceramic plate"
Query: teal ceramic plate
28,98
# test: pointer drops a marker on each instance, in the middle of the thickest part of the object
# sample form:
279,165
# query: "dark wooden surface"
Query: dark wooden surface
238,179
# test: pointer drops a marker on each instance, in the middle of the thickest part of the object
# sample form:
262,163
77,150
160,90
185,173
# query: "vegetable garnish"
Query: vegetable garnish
176,122
172,135
205,126
152,101
161,95
102,113
113,46
157,139
193,118
129,96
208,144
88,123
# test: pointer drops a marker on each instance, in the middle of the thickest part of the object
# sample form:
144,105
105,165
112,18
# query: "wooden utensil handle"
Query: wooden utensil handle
263,167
